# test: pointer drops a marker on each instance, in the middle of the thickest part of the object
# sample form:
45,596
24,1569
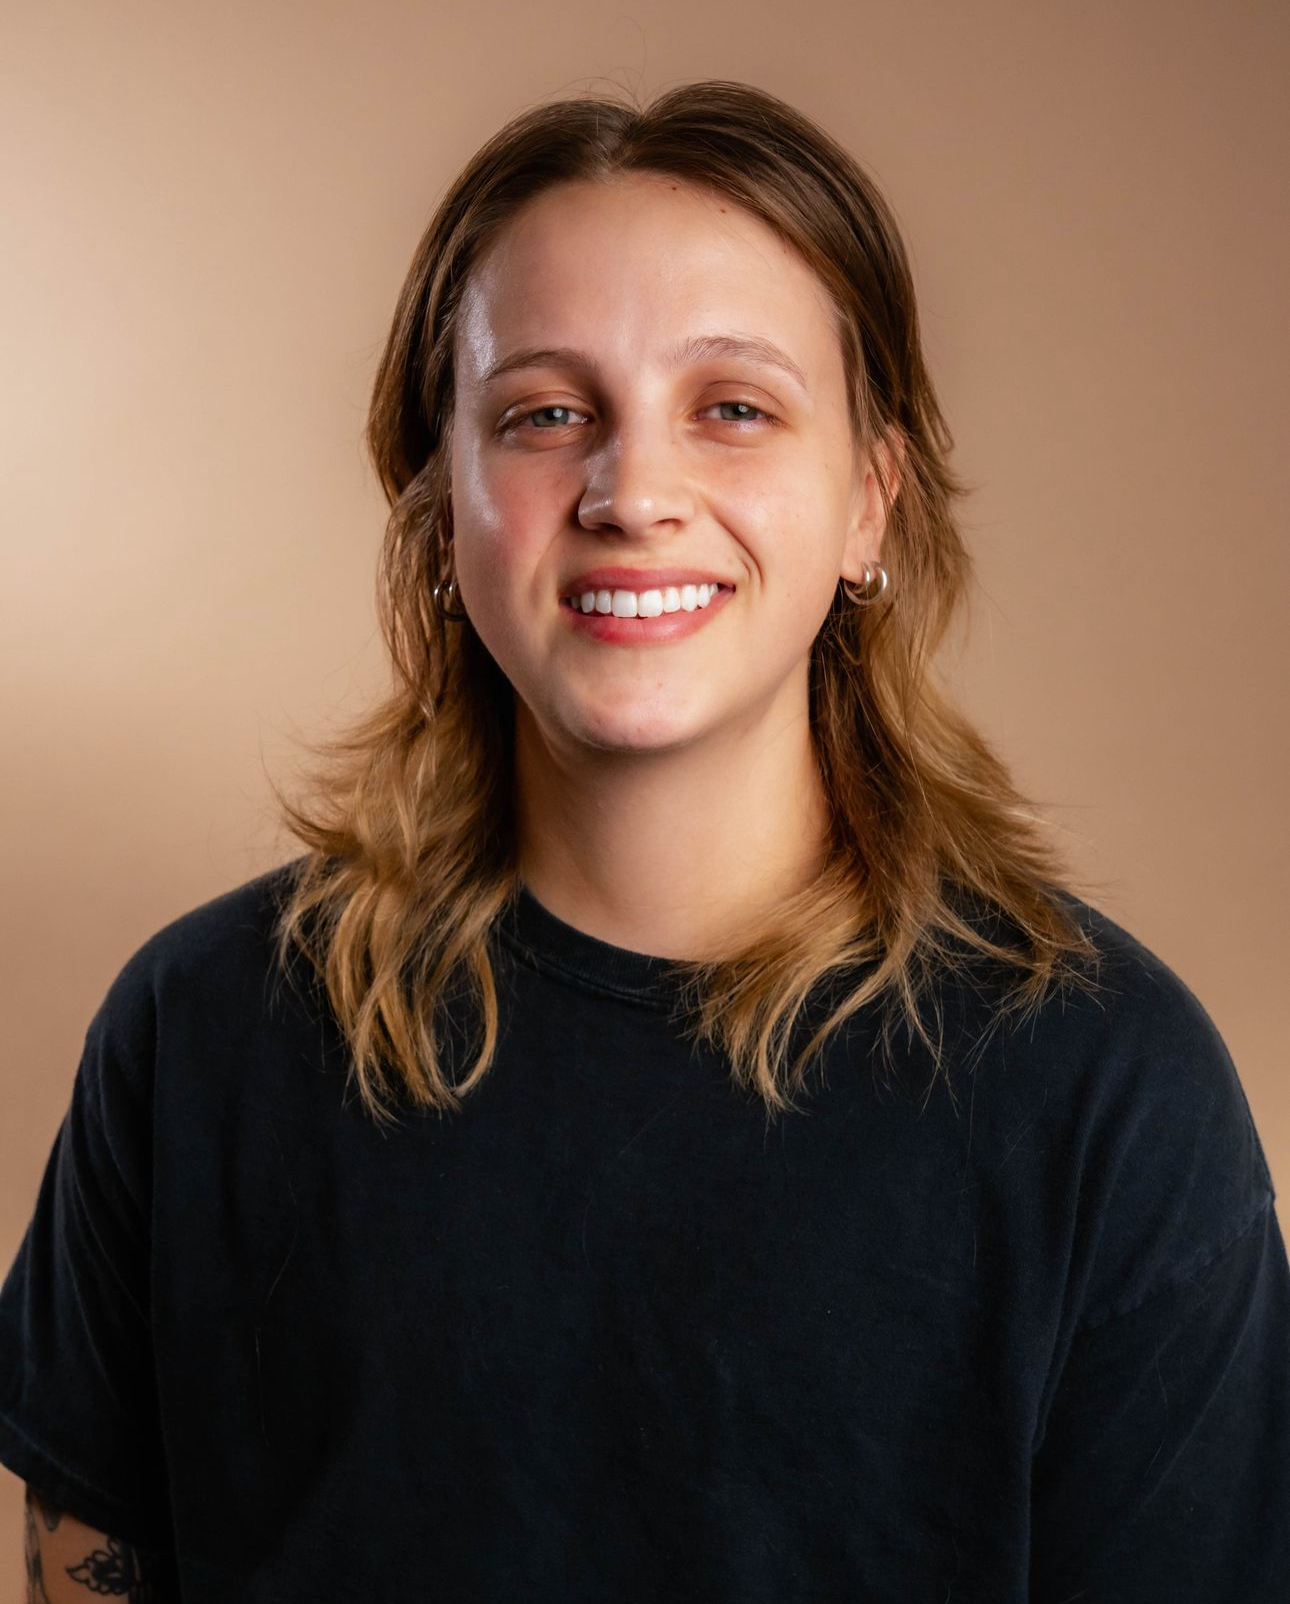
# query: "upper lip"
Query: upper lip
640,579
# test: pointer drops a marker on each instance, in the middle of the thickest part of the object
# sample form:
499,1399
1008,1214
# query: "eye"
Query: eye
560,422
748,412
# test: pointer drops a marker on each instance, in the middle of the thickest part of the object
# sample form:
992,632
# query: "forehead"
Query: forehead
625,268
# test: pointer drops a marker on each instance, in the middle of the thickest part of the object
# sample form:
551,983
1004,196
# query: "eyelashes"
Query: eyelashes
754,417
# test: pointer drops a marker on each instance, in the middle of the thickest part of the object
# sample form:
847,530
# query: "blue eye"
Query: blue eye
522,419
537,412
751,413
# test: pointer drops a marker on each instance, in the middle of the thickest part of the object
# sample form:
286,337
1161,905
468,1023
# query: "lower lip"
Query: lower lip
644,631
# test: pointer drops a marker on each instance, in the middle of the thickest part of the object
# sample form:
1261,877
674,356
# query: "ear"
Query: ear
868,520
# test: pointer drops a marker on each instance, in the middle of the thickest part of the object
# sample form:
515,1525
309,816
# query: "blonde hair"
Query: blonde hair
934,861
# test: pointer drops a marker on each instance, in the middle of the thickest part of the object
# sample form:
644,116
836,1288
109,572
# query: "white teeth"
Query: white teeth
646,603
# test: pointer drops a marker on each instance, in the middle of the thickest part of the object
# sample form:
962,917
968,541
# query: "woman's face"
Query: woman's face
649,397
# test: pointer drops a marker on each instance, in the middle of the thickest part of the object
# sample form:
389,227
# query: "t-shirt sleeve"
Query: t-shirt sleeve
1163,1468
79,1418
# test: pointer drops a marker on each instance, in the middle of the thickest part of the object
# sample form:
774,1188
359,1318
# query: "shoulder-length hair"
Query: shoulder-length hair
934,860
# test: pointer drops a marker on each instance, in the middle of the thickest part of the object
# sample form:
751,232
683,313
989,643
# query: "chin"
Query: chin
612,738
585,718
633,729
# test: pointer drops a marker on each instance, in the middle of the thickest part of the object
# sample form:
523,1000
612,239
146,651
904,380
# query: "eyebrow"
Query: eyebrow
699,348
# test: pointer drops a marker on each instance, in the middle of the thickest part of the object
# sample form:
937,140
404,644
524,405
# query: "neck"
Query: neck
669,853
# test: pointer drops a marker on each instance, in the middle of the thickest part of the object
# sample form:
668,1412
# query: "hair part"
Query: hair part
934,863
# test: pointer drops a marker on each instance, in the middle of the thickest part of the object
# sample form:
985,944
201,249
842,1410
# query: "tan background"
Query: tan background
207,215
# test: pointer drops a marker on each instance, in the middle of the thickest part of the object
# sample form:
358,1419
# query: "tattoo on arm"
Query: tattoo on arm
118,1571
111,1569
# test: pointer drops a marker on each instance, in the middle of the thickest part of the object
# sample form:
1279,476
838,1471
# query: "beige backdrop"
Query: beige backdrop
207,215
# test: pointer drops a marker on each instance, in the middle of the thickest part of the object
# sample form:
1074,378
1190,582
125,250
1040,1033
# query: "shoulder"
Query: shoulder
1154,1076
206,939
1129,1027
1144,1114
1137,1005
1124,1071
1119,1003
212,963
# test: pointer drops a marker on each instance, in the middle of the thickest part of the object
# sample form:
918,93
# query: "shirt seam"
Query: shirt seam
546,964
58,1471
1199,1260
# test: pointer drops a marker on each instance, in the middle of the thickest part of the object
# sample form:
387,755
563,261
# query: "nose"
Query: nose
635,484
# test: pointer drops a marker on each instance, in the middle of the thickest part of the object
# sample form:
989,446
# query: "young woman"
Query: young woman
765,1177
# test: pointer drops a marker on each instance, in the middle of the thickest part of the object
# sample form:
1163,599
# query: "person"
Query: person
677,1131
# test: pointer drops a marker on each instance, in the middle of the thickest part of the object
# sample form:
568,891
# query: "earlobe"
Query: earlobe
864,544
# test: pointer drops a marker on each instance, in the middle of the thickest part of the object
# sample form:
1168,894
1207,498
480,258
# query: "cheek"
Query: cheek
785,524
501,528
499,516
797,549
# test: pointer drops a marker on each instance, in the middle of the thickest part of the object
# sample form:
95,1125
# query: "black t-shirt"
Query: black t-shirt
608,1335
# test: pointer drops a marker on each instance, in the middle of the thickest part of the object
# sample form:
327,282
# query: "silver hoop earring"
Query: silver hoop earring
866,598
445,598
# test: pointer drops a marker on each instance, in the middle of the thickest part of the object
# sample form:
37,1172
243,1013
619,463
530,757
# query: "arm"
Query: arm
79,1412
69,1562
1164,1474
